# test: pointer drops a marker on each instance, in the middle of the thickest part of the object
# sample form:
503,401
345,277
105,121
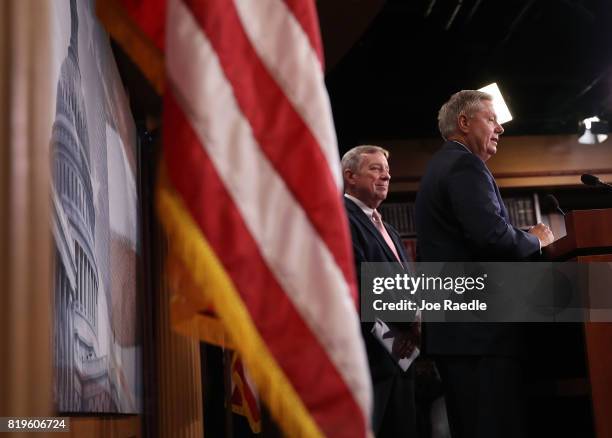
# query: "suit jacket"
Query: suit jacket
460,216
393,389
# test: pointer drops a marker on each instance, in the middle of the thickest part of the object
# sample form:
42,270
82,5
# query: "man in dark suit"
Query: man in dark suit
366,181
460,216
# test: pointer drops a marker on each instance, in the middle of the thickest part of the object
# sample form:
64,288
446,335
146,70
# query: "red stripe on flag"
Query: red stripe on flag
295,348
280,131
150,15
236,398
306,14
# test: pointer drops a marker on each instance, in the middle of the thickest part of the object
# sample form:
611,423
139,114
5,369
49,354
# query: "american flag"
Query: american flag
252,201
244,398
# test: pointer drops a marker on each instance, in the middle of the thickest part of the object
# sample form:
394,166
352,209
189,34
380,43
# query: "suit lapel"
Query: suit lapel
399,246
504,210
369,225
502,206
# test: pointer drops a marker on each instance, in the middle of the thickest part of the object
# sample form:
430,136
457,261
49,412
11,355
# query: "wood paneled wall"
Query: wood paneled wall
179,385
106,427
521,161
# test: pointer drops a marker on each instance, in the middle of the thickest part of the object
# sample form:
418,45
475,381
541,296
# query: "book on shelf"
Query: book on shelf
400,215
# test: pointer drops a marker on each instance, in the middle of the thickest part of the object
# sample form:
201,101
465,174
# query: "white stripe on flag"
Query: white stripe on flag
294,65
306,269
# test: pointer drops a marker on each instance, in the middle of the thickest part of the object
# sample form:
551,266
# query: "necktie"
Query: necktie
403,345
377,219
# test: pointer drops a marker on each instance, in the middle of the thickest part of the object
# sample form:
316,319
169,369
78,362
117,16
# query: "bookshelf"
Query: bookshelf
524,211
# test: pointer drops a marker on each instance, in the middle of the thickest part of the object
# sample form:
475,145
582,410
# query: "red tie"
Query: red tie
377,219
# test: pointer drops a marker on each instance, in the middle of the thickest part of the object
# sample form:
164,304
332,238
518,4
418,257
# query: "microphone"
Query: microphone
554,202
593,181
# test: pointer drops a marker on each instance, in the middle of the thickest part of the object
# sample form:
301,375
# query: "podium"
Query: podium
589,239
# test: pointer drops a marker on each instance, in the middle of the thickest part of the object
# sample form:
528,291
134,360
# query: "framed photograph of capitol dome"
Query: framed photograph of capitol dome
97,342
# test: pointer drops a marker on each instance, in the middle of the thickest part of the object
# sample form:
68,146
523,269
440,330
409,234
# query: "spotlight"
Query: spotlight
499,105
592,131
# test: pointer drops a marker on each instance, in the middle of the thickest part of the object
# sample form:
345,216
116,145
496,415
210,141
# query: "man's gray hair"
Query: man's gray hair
465,102
352,159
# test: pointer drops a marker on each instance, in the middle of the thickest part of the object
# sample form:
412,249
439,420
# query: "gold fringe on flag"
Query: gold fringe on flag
216,287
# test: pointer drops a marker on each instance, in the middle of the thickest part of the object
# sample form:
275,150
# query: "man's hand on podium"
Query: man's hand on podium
543,233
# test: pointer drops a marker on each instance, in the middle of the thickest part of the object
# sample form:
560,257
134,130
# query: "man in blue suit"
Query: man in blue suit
460,216
366,183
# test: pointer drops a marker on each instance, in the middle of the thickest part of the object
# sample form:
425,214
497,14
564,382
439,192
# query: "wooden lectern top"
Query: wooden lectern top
589,232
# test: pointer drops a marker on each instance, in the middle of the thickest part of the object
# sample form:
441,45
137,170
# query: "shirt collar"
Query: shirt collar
466,148
367,210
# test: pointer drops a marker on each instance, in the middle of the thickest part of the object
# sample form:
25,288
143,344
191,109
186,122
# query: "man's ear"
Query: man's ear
349,177
463,122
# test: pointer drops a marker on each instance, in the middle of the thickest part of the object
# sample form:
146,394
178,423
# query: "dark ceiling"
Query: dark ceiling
552,60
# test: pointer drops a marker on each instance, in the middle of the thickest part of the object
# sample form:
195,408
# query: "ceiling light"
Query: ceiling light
499,105
592,131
